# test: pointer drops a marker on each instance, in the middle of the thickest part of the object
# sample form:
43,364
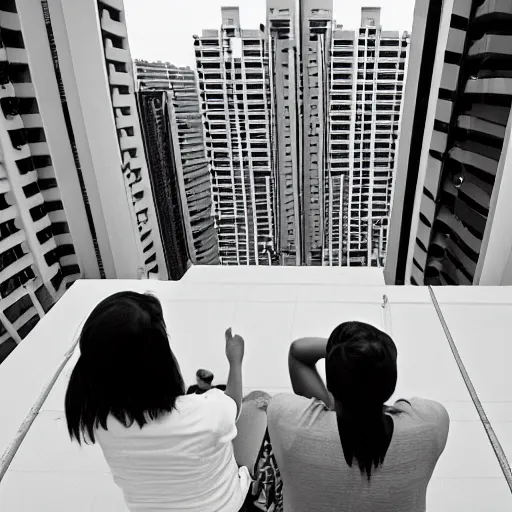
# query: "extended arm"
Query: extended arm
235,347
303,356
234,385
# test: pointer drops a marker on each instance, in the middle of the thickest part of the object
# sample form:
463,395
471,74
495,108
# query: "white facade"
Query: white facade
452,197
75,201
329,102
367,71
234,87
37,253
316,18
286,127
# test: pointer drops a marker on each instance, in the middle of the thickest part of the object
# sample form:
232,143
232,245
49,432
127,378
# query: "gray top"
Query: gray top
307,447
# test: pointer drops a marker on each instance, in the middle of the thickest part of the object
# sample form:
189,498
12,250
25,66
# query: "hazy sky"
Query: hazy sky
163,29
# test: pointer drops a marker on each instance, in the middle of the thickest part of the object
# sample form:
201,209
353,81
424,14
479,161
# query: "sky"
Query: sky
163,29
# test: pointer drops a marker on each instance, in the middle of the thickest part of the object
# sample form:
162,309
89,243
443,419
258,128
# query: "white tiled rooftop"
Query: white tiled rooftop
50,474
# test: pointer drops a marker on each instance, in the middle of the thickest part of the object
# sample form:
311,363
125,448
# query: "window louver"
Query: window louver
466,150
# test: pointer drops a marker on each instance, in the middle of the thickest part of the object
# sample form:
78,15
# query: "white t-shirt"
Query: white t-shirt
182,461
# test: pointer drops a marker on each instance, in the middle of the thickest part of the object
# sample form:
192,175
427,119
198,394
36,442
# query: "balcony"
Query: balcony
270,306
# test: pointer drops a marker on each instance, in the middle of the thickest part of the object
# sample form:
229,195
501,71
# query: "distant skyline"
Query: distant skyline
163,29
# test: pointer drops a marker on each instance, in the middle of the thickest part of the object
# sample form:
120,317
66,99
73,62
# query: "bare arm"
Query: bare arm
303,356
234,385
235,348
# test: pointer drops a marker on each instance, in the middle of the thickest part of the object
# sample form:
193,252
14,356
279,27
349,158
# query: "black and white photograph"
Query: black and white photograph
255,255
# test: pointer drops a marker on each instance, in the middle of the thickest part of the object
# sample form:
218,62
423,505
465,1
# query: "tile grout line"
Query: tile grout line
295,305
495,443
9,454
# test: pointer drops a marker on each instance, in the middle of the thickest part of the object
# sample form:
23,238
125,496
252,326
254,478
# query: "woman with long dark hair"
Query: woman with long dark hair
341,447
166,450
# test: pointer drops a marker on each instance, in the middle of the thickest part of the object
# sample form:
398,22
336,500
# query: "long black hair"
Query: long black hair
361,374
126,368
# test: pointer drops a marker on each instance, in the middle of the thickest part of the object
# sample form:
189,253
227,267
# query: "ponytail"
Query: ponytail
361,375
364,436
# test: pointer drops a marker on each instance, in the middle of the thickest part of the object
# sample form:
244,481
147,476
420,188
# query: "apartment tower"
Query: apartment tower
286,127
316,21
171,114
232,65
367,71
163,76
336,99
331,101
75,196
451,219
299,40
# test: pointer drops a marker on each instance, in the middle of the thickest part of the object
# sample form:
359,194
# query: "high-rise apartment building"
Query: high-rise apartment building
154,114
75,195
334,99
314,45
163,76
286,127
38,258
367,69
178,108
232,65
299,38
452,206
112,35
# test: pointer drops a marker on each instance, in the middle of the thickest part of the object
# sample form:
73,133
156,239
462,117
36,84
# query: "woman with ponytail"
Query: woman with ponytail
341,448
